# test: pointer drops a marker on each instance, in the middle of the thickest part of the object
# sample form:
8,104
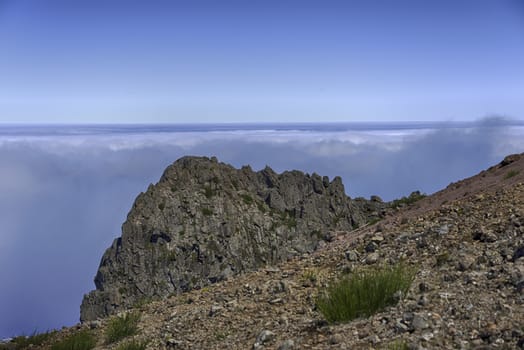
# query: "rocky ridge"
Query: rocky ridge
205,221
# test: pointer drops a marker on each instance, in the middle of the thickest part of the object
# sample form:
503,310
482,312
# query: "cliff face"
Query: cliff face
205,221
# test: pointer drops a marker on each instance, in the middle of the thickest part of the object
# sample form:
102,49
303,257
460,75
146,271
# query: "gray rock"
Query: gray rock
427,336
516,275
377,239
490,237
351,255
443,230
263,337
375,198
465,261
519,253
423,300
371,247
484,235
205,221
215,309
419,322
401,327
335,339
373,339
372,258
95,324
174,343
287,345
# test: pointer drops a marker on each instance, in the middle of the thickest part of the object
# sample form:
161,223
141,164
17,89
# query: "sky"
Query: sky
63,196
259,61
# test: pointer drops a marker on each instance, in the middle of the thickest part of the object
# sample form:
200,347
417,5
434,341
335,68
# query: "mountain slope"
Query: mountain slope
467,293
465,242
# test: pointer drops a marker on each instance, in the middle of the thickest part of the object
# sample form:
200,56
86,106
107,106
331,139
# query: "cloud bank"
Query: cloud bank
64,197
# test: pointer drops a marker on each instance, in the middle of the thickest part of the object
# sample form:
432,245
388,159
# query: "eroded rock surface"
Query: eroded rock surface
205,221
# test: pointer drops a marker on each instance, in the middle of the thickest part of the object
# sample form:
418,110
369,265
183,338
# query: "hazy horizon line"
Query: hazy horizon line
499,120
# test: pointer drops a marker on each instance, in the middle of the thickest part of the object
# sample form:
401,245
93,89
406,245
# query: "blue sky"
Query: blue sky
253,61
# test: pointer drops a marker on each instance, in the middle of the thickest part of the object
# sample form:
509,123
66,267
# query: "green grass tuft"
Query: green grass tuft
247,199
83,340
398,345
288,219
261,207
207,211
121,327
143,302
510,174
404,201
209,192
310,276
364,293
442,259
170,255
35,339
291,223
133,345
373,221
221,335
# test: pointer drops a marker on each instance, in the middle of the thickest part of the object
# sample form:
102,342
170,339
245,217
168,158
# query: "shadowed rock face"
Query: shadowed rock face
205,220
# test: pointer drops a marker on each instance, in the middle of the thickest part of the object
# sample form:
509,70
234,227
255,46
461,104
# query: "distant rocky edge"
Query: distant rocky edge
205,221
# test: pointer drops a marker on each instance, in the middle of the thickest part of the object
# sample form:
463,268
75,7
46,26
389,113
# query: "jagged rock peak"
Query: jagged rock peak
205,221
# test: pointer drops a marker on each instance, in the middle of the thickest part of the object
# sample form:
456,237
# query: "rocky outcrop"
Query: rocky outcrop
205,221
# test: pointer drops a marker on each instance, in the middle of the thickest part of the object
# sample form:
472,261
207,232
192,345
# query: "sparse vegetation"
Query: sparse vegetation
511,174
288,218
373,221
35,339
170,255
209,192
364,293
133,345
316,233
442,259
207,211
261,206
121,327
221,335
247,199
83,340
337,219
404,201
142,302
310,276
398,345
291,223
